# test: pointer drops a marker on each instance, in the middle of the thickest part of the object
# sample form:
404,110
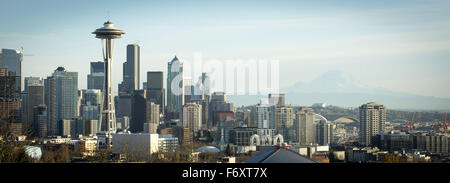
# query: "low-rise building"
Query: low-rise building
167,143
135,143
365,155
393,141
434,143
88,146
240,136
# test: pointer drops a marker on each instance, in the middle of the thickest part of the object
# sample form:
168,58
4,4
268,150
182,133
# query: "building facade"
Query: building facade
372,118
175,86
262,116
61,98
434,143
283,119
33,96
40,121
142,111
12,60
135,144
10,95
324,133
96,78
192,116
155,89
277,99
131,72
240,136
305,126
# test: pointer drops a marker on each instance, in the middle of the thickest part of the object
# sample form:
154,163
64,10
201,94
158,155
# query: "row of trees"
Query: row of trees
14,152
10,151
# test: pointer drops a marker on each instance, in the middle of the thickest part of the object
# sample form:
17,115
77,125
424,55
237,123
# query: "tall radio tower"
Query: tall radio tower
107,34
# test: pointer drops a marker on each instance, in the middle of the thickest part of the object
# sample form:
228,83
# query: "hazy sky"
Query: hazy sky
398,45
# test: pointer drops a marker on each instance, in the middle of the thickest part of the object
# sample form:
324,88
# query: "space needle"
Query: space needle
107,34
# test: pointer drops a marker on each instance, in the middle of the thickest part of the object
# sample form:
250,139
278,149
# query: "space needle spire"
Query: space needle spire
107,34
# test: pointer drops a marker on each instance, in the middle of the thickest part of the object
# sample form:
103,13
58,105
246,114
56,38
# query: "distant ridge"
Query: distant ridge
336,88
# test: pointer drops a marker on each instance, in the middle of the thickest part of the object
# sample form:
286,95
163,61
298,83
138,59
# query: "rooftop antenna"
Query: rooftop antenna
107,16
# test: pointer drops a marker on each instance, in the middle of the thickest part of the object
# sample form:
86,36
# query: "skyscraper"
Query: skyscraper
91,112
188,89
10,85
35,97
283,122
91,105
97,76
87,127
205,111
372,118
262,115
92,97
175,87
155,89
206,95
12,59
219,105
192,116
133,66
324,132
33,81
50,102
61,98
305,126
131,70
142,111
40,120
123,105
138,111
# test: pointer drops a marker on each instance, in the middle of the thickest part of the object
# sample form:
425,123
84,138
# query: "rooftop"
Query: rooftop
279,156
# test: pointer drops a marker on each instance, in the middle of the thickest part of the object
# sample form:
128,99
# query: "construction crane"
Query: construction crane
443,127
21,52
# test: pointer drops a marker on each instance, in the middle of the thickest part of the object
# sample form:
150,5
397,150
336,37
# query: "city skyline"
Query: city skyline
393,39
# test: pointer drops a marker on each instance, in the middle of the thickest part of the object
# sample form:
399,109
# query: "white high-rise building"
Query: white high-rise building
372,118
192,116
